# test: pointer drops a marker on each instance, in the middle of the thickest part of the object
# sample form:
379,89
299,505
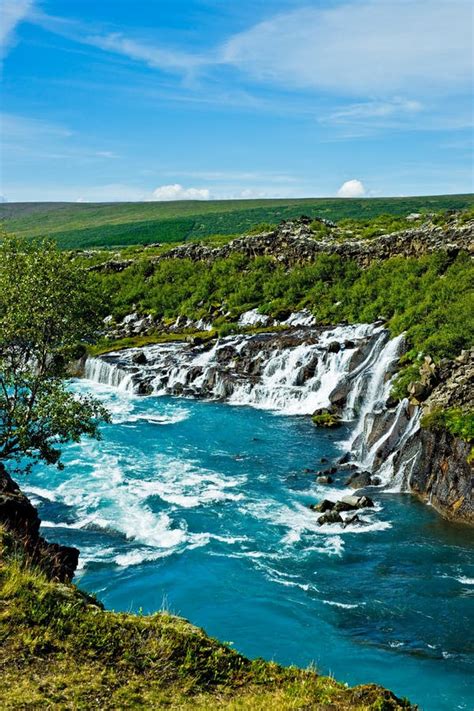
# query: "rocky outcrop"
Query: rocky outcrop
431,462
19,518
441,473
294,242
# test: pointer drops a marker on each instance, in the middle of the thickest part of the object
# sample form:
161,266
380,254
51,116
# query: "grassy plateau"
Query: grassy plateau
85,225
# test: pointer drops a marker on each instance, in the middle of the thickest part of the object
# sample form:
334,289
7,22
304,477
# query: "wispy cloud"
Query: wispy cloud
376,110
30,138
156,57
391,59
376,47
12,13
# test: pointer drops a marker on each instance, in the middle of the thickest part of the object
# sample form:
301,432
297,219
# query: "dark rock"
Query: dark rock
139,358
358,480
350,520
323,506
345,459
344,506
418,391
323,460
326,417
144,387
330,517
441,473
334,347
324,479
326,472
19,517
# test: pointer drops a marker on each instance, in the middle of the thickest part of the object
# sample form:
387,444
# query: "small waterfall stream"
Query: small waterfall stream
293,373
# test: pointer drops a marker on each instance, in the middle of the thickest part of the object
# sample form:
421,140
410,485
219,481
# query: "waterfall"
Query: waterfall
101,371
373,387
293,372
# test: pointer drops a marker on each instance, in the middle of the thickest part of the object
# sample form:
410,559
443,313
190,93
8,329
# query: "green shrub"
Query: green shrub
326,419
456,421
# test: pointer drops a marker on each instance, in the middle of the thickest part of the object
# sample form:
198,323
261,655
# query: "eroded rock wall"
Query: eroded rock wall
19,518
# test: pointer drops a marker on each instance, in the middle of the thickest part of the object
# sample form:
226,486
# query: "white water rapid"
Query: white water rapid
348,368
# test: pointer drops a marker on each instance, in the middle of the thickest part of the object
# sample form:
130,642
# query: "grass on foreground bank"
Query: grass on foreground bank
60,649
84,225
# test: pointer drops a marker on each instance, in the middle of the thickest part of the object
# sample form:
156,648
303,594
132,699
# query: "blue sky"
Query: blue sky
162,99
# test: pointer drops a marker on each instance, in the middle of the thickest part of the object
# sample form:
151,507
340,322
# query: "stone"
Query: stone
350,520
330,517
19,517
358,480
130,318
326,472
324,479
358,502
344,506
418,391
334,347
139,358
324,505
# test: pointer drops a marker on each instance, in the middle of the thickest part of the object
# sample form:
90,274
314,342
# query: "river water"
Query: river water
202,508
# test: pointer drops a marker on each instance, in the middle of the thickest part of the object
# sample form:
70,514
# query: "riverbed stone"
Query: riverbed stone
330,517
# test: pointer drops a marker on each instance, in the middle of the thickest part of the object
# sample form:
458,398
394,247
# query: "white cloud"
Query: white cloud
13,12
352,189
376,47
178,192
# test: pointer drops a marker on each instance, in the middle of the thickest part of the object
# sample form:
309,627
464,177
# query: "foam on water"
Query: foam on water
211,511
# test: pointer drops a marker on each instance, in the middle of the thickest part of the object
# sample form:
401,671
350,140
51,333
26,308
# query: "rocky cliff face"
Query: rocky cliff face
19,518
441,474
433,463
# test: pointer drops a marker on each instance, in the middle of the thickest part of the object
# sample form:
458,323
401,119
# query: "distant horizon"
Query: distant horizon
237,199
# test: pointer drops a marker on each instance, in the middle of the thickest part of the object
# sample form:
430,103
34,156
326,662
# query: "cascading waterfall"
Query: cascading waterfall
373,385
293,374
100,371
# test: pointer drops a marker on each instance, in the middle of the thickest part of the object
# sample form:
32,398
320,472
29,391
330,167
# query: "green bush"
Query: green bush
456,421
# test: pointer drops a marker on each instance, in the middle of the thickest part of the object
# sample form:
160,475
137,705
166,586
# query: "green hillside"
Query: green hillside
81,225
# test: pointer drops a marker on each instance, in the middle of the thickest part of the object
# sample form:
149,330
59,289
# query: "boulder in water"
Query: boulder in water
358,502
359,479
351,520
324,417
139,358
344,506
324,505
326,472
330,517
324,479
